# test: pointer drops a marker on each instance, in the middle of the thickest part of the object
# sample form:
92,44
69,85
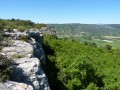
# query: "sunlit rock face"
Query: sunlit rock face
28,68
10,85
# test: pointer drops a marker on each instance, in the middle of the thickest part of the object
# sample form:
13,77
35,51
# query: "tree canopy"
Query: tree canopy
75,66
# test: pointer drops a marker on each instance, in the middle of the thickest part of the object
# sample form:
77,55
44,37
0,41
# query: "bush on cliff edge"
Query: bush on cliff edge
6,65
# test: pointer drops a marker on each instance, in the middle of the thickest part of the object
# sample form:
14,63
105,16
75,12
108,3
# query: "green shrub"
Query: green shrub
6,68
17,56
6,65
91,86
25,38
108,47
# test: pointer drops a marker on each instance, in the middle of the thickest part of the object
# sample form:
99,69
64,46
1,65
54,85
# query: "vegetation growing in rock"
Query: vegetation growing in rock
17,56
25,38
21,25
1,38
6,65
6,68
75,66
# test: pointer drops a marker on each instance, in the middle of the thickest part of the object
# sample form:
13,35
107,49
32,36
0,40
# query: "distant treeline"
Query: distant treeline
93,29
21,25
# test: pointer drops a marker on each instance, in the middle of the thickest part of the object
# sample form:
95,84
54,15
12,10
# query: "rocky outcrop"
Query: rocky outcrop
18,48
10,85
28,70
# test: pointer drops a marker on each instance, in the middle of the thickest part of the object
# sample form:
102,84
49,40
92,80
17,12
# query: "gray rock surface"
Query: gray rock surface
18,48
10,85
28,68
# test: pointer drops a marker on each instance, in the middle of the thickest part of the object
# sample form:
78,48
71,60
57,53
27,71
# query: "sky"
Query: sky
62,11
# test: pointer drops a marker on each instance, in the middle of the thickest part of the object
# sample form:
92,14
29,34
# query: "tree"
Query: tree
12,19
93,44
108,47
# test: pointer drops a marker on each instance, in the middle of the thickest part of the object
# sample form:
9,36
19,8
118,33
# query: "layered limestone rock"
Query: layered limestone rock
28,68
10,85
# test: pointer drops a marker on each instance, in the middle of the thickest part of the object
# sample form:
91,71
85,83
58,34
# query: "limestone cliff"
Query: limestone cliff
28,73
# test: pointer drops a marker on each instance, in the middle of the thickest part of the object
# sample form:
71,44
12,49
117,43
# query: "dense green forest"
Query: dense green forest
101,34
75,66
21,25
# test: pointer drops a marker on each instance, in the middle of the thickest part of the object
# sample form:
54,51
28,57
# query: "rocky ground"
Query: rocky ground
10,85
28,73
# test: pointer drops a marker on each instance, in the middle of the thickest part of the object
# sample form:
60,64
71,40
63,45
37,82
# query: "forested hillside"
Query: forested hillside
75,66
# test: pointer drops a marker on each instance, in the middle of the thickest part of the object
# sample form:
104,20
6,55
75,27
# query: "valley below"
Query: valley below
102,35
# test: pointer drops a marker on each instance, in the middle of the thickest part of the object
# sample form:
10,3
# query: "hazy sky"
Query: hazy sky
62,11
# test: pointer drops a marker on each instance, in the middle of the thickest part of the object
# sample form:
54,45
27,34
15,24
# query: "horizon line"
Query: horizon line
59,22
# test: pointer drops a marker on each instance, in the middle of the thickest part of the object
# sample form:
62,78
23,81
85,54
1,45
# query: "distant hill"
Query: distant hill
91,28
101,34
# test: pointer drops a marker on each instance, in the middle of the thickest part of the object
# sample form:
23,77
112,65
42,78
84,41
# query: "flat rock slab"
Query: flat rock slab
10,85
